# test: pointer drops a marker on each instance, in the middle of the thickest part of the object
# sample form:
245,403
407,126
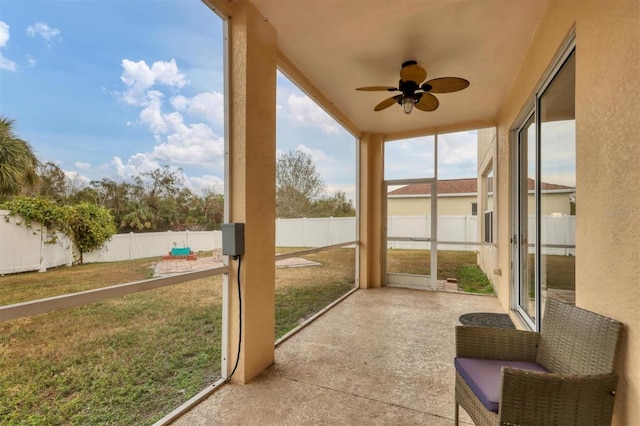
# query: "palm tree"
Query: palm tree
18,163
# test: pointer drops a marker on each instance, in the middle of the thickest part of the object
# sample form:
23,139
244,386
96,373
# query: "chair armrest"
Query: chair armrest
533,398
496,343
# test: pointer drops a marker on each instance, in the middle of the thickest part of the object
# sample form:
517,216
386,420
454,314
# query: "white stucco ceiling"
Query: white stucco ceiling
339,45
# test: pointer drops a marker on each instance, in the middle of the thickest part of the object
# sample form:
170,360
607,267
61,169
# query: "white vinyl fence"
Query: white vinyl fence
24,249
151,244
458,229
315,232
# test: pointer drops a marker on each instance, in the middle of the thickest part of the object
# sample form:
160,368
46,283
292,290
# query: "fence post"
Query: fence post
131,245
43,262
304,232
331,241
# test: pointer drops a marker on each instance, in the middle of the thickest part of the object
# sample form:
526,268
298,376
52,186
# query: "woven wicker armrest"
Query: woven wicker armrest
496,343
532,398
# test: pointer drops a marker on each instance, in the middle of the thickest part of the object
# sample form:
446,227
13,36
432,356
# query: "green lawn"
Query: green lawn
451,264
133,359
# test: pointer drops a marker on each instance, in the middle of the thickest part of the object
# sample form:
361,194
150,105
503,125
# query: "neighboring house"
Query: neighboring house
460,197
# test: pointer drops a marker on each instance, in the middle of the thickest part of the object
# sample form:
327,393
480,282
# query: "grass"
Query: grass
131,360
121,361
560,271
301,292
451,264
473,280
70,279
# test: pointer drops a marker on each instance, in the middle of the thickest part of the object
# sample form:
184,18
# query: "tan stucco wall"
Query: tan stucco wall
608,176
488,254
252,157
413,206
551,203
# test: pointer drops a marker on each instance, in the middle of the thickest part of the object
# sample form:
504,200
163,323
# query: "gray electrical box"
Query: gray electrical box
233,239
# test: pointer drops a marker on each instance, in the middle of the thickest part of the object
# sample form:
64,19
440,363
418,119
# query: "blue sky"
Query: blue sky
114,88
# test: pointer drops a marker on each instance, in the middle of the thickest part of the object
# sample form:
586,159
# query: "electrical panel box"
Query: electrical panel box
233,239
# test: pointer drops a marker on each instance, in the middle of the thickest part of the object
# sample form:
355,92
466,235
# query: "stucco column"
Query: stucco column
371,148
251,91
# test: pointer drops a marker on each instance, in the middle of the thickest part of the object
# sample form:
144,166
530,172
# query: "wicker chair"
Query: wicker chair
560,376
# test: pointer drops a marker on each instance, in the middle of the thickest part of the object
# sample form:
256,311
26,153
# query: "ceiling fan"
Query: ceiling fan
414,92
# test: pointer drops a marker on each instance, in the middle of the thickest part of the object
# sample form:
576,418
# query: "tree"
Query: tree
298,184
89,226
52,183
334,206
18,163
212,210
120,198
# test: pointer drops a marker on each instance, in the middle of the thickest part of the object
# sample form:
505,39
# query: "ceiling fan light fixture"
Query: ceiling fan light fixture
415,93
407,104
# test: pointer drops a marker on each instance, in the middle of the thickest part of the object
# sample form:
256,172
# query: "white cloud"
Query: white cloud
5,64
4,33
77,179
305,112
31,61
205,105
198,184
167,73
317,155
152,115
140,163
193,144
136,165
83,166
179,140
43,30
139,78
458,148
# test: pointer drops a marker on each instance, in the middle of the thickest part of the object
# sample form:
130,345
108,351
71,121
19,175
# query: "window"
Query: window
474,209
487,203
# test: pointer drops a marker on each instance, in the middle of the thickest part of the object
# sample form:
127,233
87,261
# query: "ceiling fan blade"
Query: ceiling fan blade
445,85
387,103
427,102
413,72
377,89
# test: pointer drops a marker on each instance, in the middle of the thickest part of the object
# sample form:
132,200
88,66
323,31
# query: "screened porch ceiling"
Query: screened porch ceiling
330,47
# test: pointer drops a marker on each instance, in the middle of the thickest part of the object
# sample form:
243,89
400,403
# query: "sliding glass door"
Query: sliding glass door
544,188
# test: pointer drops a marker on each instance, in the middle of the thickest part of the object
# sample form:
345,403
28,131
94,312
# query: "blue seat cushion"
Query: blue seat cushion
483,377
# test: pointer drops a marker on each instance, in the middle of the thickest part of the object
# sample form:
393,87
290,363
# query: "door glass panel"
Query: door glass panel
527,224
408,255
457,201
558,186
409,168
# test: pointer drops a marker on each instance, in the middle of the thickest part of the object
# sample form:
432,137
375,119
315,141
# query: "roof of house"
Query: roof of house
461,186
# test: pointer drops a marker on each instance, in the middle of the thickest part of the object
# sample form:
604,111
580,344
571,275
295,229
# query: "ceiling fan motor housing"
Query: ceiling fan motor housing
408,89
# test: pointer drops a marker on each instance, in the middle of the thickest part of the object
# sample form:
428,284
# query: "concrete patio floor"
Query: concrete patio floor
380,357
